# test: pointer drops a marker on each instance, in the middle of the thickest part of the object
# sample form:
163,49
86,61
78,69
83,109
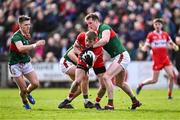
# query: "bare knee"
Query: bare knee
105,77
23,91
172,77
35,84
154,81
103,88
121,84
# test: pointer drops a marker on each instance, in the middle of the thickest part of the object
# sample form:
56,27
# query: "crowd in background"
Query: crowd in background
59,22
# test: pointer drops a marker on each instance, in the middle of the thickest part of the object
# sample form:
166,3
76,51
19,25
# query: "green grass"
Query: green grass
155,106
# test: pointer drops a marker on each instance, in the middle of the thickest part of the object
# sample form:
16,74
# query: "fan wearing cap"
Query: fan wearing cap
159,40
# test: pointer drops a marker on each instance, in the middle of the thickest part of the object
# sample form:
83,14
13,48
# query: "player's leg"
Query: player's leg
23,90
152,80
85,89
120,81
169,70
80,74
112,71
31,75
101,91
16,73
71,74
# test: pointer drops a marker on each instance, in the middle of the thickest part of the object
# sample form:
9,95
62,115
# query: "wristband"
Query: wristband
34,45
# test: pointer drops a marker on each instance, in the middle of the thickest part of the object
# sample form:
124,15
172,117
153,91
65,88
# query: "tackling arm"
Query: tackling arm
73,56
104,40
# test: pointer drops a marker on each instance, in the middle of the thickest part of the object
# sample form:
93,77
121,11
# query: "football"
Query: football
89,57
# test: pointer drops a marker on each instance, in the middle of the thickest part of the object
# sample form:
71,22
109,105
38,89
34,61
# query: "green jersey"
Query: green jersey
114,46
67,57
14,55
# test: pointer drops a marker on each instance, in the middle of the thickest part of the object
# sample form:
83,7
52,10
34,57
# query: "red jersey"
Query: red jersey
158,43
97,51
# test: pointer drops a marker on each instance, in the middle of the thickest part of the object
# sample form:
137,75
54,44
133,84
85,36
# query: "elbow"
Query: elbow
21,50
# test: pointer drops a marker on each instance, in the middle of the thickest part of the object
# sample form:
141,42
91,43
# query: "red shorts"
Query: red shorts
160,64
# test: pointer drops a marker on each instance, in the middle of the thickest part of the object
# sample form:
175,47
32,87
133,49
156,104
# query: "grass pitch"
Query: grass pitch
155,106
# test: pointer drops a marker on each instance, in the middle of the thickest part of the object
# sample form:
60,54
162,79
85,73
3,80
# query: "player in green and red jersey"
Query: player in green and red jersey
111,43
19,60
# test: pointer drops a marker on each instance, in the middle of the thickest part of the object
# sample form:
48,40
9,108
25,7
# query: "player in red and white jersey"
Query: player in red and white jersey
84,41
159,41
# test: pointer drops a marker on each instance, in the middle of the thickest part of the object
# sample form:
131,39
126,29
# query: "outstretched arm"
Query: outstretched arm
104,40
26,48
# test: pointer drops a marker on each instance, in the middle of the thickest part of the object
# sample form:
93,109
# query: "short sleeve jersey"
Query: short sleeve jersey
158,43
114,47
14,55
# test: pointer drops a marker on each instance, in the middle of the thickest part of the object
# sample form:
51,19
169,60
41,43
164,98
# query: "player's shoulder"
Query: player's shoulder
81,35
17,35
165,33
151,33
105,26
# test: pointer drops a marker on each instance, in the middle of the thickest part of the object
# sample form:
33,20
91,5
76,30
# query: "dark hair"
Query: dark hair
158,20
23,18
91,35
94,16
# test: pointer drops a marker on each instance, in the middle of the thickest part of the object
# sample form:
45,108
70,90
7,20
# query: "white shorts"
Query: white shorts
19,69
123,59
65,65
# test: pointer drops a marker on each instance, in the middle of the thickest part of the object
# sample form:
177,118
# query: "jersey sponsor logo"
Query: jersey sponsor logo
158,43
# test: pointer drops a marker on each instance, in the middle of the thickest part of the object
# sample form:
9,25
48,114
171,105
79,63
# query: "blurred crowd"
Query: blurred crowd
59,21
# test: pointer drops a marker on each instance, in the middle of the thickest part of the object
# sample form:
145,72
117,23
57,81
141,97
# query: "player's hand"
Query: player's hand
82,54
87,59
141,44
176,48
40,43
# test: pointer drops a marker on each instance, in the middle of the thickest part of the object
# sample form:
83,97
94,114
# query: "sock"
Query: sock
70,97
141,85
98,99
85,98
133,99
110,102
169,94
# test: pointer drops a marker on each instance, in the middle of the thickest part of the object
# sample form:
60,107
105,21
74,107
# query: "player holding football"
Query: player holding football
111,43
86,40
19,60
68,66
158,40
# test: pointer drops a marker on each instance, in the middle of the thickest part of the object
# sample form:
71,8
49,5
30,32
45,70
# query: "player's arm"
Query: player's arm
104,40
72,56
173,45
25,48
144,47
77,48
